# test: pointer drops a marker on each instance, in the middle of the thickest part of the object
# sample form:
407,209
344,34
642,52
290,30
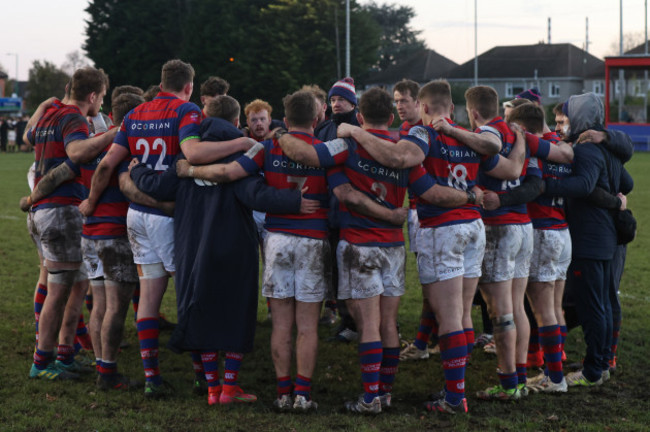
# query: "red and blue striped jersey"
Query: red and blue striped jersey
403,133
453,164
284,173
60,125
109,218
385,185
547,212
154,131
507,215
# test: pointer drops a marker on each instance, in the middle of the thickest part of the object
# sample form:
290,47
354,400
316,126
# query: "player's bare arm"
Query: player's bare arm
448,197
102,177
404,154
47,185
298,150
131,191
218,173
205,152
361,203
561,152
35,117
509,168
485,144
82,151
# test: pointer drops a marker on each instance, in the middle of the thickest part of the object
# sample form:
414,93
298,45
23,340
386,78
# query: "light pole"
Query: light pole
16,81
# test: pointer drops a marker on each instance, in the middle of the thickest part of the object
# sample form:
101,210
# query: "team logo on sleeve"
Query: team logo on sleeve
336,146
420,133
195,117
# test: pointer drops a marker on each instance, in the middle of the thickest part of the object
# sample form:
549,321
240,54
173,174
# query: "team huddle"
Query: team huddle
169,191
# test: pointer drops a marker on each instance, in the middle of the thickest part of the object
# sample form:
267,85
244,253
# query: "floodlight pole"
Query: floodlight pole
15,82
475,44
347,38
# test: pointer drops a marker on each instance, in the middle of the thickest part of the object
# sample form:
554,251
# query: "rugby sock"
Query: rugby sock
65,354
82,335
453,352
231,368
98,364
89,302
303,386
427,324
615,334
563,333
42,358
469,340
197,365
389,364
508,380
39,299
370,355
209,367
550,339
522,373
148,332
107,368
136,300
533,347
283,386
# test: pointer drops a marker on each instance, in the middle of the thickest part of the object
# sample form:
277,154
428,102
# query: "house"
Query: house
557,70
422,66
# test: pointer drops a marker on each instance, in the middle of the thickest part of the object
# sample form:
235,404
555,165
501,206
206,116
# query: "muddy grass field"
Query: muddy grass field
621,404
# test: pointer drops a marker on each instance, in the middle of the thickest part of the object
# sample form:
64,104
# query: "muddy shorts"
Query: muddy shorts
369,271
111,257
296,267
58,231
152,238
551,255
508,249
450,251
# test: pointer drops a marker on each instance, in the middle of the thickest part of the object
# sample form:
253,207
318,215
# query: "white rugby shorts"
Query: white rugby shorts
508,250
551,255
450,251
58,231
152,238
296,267
369,271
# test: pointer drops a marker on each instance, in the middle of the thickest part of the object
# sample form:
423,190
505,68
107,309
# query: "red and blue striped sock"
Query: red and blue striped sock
388,369
89,302
533,342
82,336
508,380
197,365
563,333
136,300
283,386
453,352
427,325
65,354
148,332
370,354
231,368
303,386
550,338
42,358
469,339
107,369
39,299
209,367
522,373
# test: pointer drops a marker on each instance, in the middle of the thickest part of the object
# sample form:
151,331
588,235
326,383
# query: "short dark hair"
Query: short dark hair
436,93
300,108
483,99
318,92
175,75
223,107
557,109
120,90
530,115
376,106
124,103
86,81
214,86
407,86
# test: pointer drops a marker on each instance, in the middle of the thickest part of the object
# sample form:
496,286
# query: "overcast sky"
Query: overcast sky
48,30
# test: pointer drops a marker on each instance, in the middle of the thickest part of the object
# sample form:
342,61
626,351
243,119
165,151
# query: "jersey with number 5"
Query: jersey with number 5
284,173
153,132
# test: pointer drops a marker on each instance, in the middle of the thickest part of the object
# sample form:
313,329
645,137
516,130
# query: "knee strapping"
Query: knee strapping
81,274
503,323
152,271
61,277
97,281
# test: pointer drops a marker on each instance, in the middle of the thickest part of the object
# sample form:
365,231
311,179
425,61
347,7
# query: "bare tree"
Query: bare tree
74,60
630,40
